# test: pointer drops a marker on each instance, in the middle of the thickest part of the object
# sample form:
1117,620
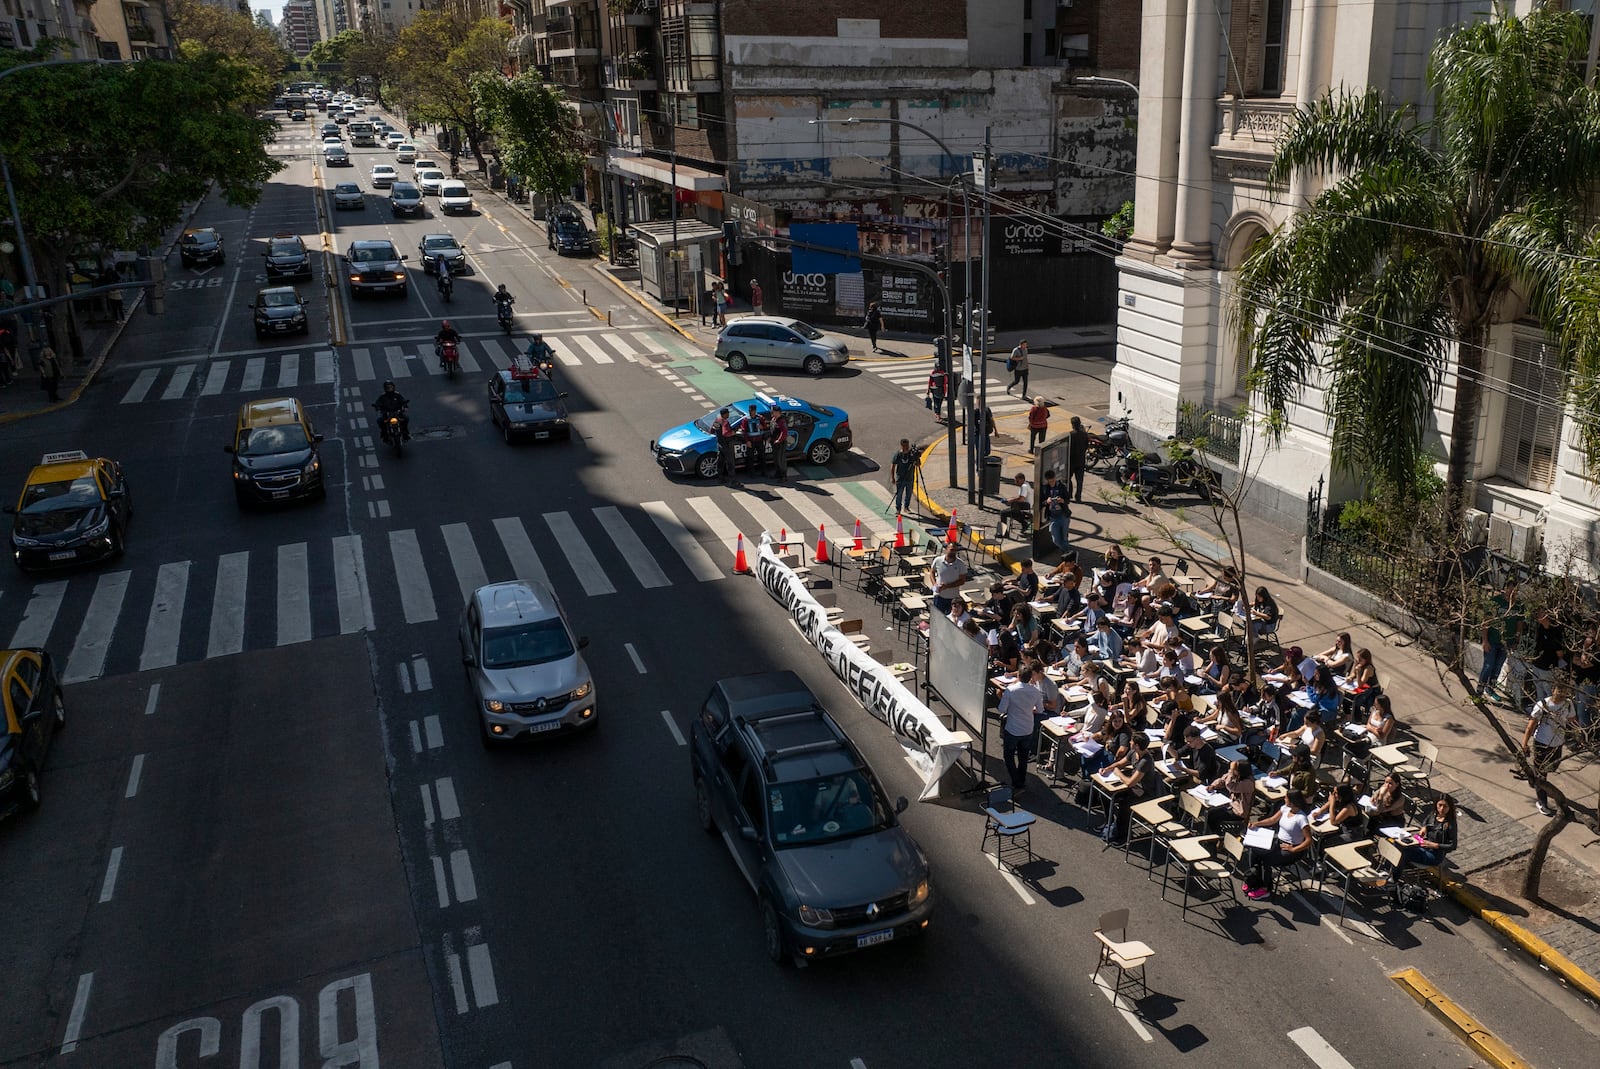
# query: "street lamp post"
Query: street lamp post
949,333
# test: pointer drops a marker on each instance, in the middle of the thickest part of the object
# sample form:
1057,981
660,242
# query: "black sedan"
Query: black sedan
279,310
201,245
525,404
287,257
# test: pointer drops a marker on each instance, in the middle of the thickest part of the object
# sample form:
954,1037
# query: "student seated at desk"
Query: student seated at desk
1225,587
1043,648
977,633
1311,733
1245,692
1023,623
1111,731
1300,669
1105,644
1217,671
1047,688
1094,610
1362,681
1003,651
1388,804
1381,726
1325,696
1290,843
1263,612
1164,631
1175,720
1198,757
1168,668
997,607
1133,706
1141,658
1239,784
959,614
1342,812
1025,584
1186,661
1136,770
1438,838
1298,771
1073,658
1093,680
1154,575
1068,574
1116,564
1224,718
1339,655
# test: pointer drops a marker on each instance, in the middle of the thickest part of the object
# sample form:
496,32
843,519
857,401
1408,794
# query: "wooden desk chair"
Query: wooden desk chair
1009,826
1151,823
872,570
1419,770
851,629
1127,956
1196,862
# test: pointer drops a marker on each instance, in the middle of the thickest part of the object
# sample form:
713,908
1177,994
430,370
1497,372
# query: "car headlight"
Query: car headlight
815,918
398,275
6,778
98,529
313,466
25,543
493,706
583,689
920,895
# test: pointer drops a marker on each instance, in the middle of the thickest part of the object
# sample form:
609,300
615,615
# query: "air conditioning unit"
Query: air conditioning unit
1476,528
1519,541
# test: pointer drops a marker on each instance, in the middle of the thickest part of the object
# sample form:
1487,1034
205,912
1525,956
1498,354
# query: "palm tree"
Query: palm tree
1408,257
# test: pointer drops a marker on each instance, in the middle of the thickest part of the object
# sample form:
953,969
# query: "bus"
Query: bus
362,132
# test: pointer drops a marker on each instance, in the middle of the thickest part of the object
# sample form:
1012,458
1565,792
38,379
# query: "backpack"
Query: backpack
1011,364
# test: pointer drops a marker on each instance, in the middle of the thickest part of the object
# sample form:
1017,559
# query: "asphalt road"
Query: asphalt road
318,840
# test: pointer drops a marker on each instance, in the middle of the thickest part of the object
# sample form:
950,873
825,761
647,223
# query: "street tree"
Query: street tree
236,35
1428,233
433,64
365,59
535,130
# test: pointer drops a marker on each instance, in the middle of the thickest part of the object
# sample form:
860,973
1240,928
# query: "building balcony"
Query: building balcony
138,31
634,12
1247,138
574,45
572,76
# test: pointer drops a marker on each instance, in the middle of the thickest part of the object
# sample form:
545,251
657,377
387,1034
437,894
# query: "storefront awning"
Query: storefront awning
660,171
659,232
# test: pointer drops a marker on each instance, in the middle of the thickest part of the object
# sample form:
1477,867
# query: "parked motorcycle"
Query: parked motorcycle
1183,474
502,313
392,429
1113,445
450,357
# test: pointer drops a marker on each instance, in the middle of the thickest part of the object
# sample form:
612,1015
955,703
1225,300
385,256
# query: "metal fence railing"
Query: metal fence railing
1221,431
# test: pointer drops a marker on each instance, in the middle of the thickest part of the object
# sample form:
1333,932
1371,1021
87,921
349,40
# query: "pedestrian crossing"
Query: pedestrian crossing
289,370
911,375
145,618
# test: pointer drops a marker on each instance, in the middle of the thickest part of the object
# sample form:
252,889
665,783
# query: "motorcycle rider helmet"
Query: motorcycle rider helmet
388,385
537,338
500,288
445,325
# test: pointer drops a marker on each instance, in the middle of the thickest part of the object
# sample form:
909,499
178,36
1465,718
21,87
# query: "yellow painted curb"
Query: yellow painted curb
642,303
1466,1027
991,548
1542,952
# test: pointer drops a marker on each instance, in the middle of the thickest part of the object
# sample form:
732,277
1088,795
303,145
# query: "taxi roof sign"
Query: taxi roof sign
64,457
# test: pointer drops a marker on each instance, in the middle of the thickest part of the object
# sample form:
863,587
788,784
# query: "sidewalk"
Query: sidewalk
25,397
1498,821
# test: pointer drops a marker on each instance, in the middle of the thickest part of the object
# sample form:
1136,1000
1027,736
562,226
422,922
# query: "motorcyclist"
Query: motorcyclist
503,300
447,333
541,354
446,278
390,402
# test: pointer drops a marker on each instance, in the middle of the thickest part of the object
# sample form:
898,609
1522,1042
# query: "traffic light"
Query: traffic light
730,241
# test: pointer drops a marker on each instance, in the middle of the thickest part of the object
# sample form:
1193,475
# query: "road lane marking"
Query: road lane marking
482,972
464,558
672,726
1319,1050
80,1006
227,604
563,351
427,805
255,369
403,670
448,809
179,384
621,346
324,367
1016,884
109,886
688,548
458,986
395,357
857,1063
134,774
1122,1006
432,732
350,582
363,362
461,876
216,378
423,674
582,559
151,699
637,664
416,737
722,528
164,625
587,343
294,595
39,618
416,598
631,547
440,886
141,385
525,562
88,657
289,371
766,519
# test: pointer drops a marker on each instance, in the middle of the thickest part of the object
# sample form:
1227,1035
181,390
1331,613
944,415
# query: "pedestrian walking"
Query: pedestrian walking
49,373
1077,457
1493,640
719,304
1549,652
1020,706
937,379
1056,500
985,431
756,298
114,298
780,445
1038,423
727,434
903,470
1545,738
1017,364
873,324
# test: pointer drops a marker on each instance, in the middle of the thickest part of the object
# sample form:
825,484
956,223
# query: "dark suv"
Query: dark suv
374,266
287,257
202,245
565,232
807,822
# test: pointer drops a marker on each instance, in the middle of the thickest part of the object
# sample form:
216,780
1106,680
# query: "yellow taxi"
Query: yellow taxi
31,712
275,455
74,508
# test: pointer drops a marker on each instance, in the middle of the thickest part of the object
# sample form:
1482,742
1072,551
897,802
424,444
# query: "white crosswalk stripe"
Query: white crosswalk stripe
324,367
114,622
289,371
587,343
141,385
216,378
255,369
179,385
911,375
363,361
395,359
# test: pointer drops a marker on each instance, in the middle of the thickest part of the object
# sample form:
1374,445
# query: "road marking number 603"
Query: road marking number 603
361,1050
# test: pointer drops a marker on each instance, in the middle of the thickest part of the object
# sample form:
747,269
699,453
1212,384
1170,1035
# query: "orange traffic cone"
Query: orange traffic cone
740,565
783,536
951,534
899,531
822,544
860,542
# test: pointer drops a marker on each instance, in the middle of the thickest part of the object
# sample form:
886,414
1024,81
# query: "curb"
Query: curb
1542,952
1465,1026
993,549
638,298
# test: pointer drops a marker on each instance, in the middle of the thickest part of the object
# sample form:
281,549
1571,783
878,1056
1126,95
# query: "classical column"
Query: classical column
1313,28
1160,127
1192,244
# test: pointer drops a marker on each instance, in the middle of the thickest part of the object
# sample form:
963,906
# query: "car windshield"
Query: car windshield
530,391
431,176
277,299
199,237
805,330
824,809
383,169
285,247
436,243
80,493
453,189
526,644
371,256
347,187
403,190
267,441
735,413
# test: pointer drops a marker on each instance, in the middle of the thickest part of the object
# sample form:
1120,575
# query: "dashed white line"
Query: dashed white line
448,809
424,676
427,806
441,887
435,736
151,699
1121,1004
80,1006
857,1063
637,663
458,986
416,737
1318,1049
672,726
461,876
482,973
134,774
109,886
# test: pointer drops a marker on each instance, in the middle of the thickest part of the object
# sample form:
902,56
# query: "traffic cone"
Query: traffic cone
822,544
860,542
951,535
740,566
783,537
899,531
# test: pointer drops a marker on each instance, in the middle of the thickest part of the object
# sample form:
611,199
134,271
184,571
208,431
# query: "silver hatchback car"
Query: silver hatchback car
780,342
523,665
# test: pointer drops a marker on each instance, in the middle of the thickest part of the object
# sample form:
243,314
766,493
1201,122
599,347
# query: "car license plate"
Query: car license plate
541,434
65,554
875,938
276,494
536,728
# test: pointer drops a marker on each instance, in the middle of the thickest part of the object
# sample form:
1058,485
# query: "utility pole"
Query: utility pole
983,311
677,285
974,430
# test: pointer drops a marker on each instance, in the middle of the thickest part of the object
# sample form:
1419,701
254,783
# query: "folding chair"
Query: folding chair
1151,822
1419,770
1009,826
1125,955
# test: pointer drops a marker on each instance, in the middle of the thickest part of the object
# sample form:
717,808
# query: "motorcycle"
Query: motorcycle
1112,445
450,356
502,312
447,282
1184,473
392,429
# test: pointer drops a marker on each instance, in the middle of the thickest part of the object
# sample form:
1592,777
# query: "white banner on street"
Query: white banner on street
932,747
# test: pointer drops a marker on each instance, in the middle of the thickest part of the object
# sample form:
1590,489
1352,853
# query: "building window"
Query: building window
1272,47
1050,43
1531,436
1027,50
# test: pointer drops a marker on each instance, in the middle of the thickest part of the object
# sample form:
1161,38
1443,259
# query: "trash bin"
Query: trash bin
991,476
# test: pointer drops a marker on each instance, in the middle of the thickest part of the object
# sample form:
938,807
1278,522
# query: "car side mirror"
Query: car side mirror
563,393
227,449
467,658
316,437
115,492
405,256
748,833
583,643
900,804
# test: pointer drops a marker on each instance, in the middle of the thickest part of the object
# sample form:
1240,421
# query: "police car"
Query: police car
72,509
816,433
